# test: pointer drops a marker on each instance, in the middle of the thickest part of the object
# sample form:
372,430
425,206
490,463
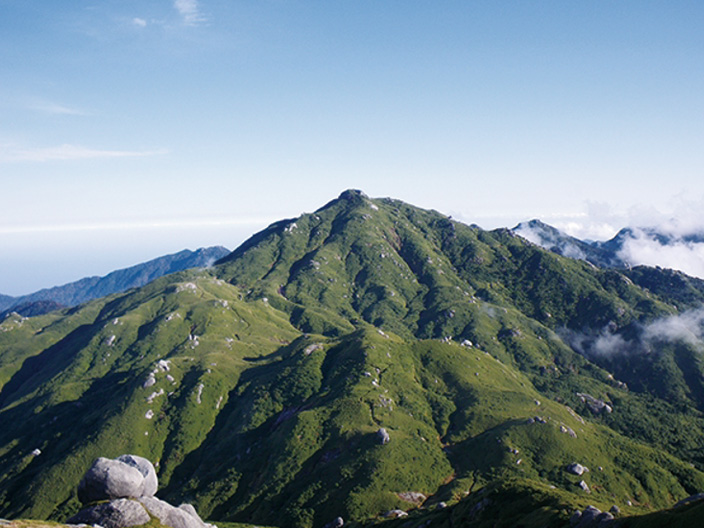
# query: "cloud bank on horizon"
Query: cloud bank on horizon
678,252
673,240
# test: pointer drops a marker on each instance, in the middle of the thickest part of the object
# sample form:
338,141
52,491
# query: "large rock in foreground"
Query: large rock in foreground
129,482
110,479
120,513
146,468
185,516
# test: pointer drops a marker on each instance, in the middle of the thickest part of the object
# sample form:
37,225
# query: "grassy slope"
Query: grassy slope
297,377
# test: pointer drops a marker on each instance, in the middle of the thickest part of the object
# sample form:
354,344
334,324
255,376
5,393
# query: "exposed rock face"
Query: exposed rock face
412,496
110,479
184,516
383,436
146,469
568,431
576,469
595,405
338,522
114,514
591,517
129,482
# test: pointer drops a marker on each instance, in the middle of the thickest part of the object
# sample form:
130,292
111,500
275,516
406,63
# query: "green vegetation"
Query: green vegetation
259,387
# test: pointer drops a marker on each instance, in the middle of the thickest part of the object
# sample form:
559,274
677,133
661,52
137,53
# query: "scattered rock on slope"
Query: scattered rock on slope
576,469
383,436
591,517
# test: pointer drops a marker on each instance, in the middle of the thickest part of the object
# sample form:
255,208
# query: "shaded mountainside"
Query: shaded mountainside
367,357
89,288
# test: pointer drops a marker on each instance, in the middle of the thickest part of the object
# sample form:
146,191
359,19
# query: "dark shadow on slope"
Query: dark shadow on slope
245,462
39,369
48,430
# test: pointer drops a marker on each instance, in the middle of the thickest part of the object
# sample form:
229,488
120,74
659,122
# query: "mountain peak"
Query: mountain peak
351,196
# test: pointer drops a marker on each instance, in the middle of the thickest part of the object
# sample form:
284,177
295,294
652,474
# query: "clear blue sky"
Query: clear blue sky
130,129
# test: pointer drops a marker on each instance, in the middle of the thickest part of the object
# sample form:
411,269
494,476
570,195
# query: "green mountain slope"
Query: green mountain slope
263,388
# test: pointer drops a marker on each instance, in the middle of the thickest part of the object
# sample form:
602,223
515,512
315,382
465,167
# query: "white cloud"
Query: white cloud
49,107
13,153
687,327
598,344
140,22
546,239
682,220
189,11
679,254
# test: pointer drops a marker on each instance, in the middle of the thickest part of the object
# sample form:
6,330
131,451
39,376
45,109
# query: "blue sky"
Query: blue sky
131,129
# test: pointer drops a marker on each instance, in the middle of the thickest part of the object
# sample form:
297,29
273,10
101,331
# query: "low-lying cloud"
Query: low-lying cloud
673,239
606,343
687,327
543,238
679,253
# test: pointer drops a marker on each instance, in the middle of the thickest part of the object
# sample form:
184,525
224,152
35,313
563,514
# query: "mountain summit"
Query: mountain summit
370,358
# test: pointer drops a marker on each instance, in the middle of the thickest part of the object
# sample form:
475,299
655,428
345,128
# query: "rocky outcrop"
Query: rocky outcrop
184,516
591,517
383,436
595,405
129,484
576,469
117,513
111,479
338,522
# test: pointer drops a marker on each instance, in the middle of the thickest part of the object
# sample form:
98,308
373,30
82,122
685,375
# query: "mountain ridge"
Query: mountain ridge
621,251
263,389
88,288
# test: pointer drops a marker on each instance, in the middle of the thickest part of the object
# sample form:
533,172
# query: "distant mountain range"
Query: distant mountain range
613,253
88,288
366,361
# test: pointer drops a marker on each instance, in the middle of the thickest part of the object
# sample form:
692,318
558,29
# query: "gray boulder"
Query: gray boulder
576,469
151,483
118,513
190,510
110,479
181,517
591,517
604,519
338,522
383,436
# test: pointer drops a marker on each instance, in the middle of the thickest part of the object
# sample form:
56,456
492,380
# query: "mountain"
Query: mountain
604,255
89,288
630,247
625,235
682,290
368,357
